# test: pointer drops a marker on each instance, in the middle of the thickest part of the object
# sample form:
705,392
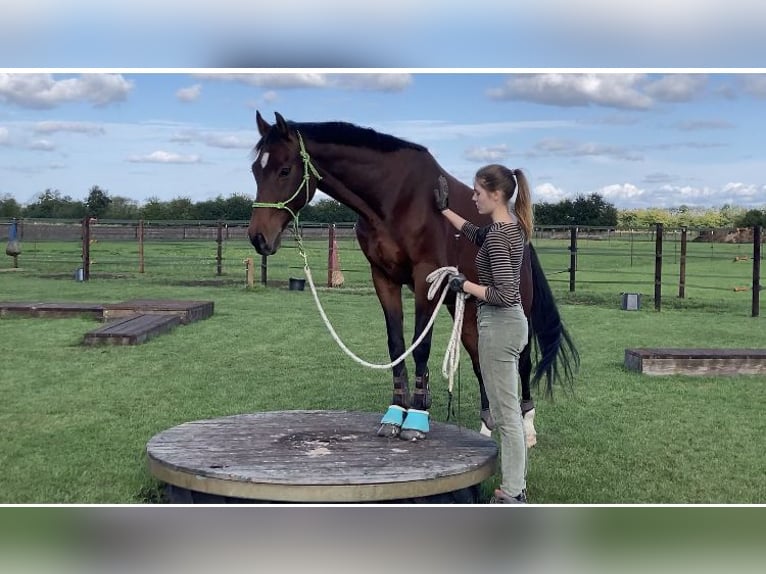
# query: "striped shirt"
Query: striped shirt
499,260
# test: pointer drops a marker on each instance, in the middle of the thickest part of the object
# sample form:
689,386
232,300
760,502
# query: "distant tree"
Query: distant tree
9,207
122,208
98,202
52,204
583,210
751,218
181,208
211,209
239,207
327,211
154,209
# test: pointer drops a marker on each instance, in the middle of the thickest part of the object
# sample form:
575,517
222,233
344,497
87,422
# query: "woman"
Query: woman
503,194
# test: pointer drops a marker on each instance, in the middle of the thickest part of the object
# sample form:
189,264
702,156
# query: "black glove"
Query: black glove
442,194
456,283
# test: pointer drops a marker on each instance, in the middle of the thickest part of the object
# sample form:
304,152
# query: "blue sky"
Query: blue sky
639,139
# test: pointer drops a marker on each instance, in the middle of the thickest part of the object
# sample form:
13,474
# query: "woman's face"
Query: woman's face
486,201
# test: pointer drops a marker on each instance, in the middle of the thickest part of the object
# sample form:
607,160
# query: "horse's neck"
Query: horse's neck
348,181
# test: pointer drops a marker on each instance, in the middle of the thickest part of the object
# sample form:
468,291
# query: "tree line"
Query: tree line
583,210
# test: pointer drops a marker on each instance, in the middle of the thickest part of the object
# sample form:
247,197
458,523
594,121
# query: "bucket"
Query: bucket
79,274
297,284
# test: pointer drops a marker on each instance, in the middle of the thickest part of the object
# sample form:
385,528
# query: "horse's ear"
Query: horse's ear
263,125
281,125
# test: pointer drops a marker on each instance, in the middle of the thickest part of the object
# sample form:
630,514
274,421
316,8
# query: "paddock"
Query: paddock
317,457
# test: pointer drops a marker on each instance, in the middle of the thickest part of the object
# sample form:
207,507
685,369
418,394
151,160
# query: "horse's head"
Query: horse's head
279,169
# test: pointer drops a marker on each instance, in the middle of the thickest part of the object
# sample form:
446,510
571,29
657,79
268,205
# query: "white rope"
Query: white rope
452,355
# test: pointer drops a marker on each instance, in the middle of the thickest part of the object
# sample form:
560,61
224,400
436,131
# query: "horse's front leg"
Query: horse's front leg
390,297
416,424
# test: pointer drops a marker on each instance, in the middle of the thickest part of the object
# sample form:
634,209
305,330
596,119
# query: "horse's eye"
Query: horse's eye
284,172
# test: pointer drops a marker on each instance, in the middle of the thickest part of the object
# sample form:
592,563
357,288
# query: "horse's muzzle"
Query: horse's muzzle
261,245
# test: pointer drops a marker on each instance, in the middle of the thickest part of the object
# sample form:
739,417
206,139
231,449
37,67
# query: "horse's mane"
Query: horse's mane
344,133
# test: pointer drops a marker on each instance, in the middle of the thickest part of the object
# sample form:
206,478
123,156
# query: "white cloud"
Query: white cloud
548,193
50,127
42,145
754,85
164,157
215,139
698,125
190,94
609,90
270,97
41,91
568,148
374,82
487,154
5,136
677,87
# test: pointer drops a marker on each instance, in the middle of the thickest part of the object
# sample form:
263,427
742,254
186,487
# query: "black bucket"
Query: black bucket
297,284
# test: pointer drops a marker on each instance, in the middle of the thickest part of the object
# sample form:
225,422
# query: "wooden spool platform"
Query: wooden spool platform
317,457
132,330
188,311
696,361
40,309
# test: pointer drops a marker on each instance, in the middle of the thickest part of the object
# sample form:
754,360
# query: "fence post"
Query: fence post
682,270
756,270
249,272
572,257
86,248
330,252
658,268
141,245
219,251
264,270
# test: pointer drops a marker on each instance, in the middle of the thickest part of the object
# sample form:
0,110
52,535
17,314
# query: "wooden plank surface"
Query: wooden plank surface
188,311
51,309
310,456
132,330
685,361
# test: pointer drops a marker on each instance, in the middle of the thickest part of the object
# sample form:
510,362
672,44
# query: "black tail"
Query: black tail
556,357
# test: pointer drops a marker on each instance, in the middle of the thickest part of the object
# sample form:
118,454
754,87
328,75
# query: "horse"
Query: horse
389,183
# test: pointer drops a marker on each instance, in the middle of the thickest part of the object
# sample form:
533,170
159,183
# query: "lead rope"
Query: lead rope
435,279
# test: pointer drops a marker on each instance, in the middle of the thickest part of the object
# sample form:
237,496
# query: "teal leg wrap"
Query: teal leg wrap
394,416
416,420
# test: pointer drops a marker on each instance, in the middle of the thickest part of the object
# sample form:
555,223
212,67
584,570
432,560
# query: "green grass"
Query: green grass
76,419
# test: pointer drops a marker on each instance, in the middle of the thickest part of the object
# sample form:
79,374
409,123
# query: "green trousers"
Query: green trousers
502,337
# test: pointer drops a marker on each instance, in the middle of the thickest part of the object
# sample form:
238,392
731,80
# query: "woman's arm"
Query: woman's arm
456,221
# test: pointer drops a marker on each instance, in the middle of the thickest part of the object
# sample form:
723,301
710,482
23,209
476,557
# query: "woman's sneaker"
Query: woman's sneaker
502,497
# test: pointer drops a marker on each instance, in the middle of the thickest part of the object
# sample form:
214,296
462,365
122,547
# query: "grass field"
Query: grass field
77,419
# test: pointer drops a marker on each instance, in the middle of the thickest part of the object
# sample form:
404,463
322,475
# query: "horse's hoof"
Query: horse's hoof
528,420
412,435
487,420
485,430
415,425
389,431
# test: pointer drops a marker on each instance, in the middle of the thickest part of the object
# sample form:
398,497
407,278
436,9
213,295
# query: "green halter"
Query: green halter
308,170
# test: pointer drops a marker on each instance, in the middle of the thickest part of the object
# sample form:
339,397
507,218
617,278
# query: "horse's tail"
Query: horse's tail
556,357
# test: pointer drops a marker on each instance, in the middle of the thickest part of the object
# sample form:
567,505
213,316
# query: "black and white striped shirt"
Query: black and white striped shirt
499,260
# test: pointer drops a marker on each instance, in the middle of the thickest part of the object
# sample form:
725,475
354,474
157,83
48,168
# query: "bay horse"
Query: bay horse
389,183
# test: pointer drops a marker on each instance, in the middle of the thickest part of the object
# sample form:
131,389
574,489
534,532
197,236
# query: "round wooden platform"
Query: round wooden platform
317,456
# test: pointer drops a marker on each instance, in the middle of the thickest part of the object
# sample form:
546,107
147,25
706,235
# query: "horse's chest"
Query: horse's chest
386,254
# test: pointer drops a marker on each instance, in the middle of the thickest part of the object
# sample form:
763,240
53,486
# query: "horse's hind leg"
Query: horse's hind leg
390,297
527,403
470,339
